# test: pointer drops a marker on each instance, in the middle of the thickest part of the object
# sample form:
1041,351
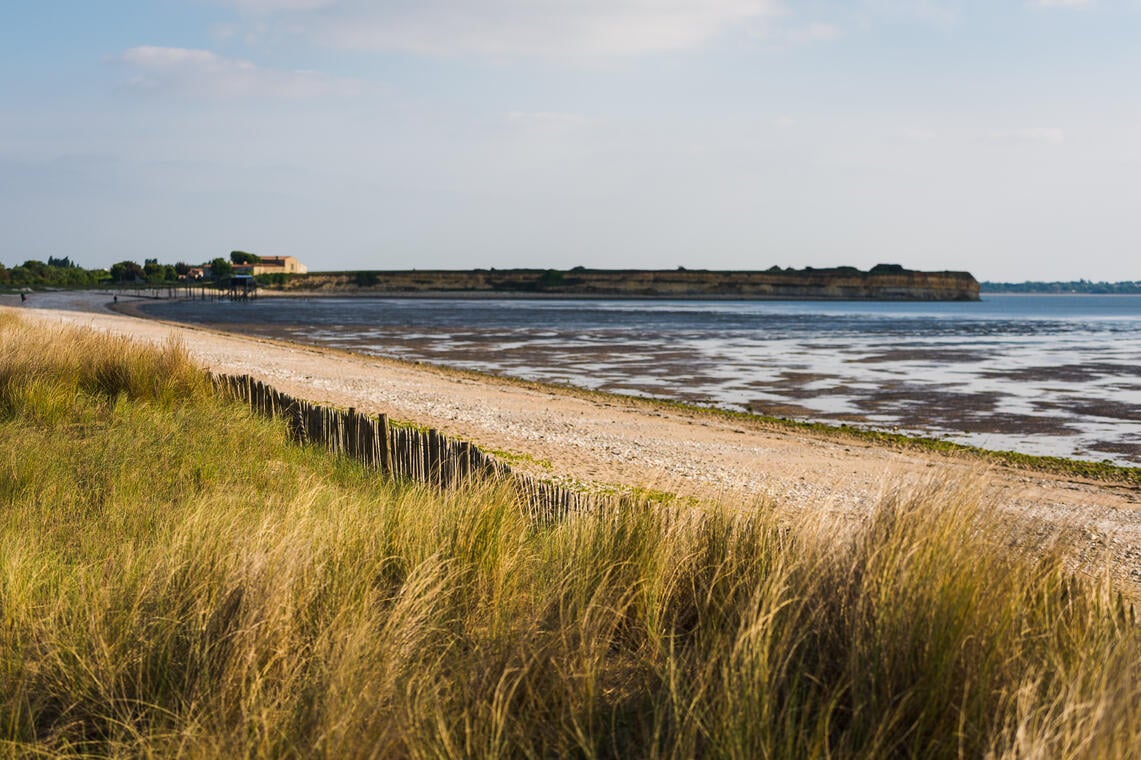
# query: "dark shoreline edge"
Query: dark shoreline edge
1101,472
514,295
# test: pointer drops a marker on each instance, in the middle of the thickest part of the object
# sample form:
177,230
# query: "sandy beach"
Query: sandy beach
604,441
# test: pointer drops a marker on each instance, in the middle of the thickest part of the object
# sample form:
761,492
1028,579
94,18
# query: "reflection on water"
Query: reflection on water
1039,374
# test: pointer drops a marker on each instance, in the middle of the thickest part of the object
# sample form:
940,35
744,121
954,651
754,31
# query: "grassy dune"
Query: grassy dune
178,579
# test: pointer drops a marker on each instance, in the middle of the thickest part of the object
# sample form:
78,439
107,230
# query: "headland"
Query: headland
885,282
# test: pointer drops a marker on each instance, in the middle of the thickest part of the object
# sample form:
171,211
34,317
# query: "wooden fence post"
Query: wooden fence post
427,456
382,438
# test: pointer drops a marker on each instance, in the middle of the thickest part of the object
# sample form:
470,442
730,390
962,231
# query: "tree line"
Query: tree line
64,273
1073,286
60,273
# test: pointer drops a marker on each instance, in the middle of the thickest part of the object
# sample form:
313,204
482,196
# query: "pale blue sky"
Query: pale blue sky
1000,137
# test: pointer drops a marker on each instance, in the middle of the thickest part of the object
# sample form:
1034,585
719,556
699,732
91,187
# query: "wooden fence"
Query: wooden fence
425,456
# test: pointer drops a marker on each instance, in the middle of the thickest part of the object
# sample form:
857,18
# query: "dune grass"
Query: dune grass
177,579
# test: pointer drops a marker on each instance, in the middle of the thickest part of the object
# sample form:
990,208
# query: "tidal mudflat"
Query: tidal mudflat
1044,375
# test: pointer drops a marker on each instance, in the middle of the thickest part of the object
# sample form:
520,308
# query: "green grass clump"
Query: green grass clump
176,578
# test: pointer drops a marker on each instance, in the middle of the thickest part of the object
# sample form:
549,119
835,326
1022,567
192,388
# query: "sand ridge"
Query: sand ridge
603,441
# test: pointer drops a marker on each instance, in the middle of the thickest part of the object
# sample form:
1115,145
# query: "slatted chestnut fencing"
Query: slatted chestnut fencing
425,456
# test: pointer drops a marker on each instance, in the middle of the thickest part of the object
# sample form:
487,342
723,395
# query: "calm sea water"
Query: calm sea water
1057,375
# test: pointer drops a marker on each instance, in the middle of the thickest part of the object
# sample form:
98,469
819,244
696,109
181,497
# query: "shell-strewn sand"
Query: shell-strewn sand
611,441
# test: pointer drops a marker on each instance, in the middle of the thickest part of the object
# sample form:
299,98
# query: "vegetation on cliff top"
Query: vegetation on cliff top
1073,286
167,591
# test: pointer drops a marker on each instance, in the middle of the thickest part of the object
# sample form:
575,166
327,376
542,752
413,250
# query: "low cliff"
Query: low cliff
882,283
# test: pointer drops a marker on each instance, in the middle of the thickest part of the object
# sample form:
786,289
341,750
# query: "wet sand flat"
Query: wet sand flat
1038,376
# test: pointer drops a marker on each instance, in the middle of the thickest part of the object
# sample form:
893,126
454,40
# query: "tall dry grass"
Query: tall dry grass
177,579
44,371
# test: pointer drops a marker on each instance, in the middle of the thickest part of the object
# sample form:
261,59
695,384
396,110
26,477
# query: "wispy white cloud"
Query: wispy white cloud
203,73
822,31
546,120
1062,3
916,135
224,32
537,128
1039,135
937,13
816,31
511,27
275,6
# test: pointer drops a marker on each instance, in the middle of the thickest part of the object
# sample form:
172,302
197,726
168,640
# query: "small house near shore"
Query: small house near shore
272,265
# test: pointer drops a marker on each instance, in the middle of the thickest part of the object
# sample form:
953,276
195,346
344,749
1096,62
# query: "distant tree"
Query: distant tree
156,272
242,257
221,269
551,278
20,276
96,276
181,268
57,273
127,271
36,269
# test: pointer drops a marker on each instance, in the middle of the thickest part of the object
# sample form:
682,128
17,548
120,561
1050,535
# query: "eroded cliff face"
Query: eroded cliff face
844,283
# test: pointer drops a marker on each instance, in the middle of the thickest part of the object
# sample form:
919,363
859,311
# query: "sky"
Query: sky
1001,137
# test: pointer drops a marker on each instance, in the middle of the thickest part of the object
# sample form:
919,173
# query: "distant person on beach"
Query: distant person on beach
115,298
23,297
